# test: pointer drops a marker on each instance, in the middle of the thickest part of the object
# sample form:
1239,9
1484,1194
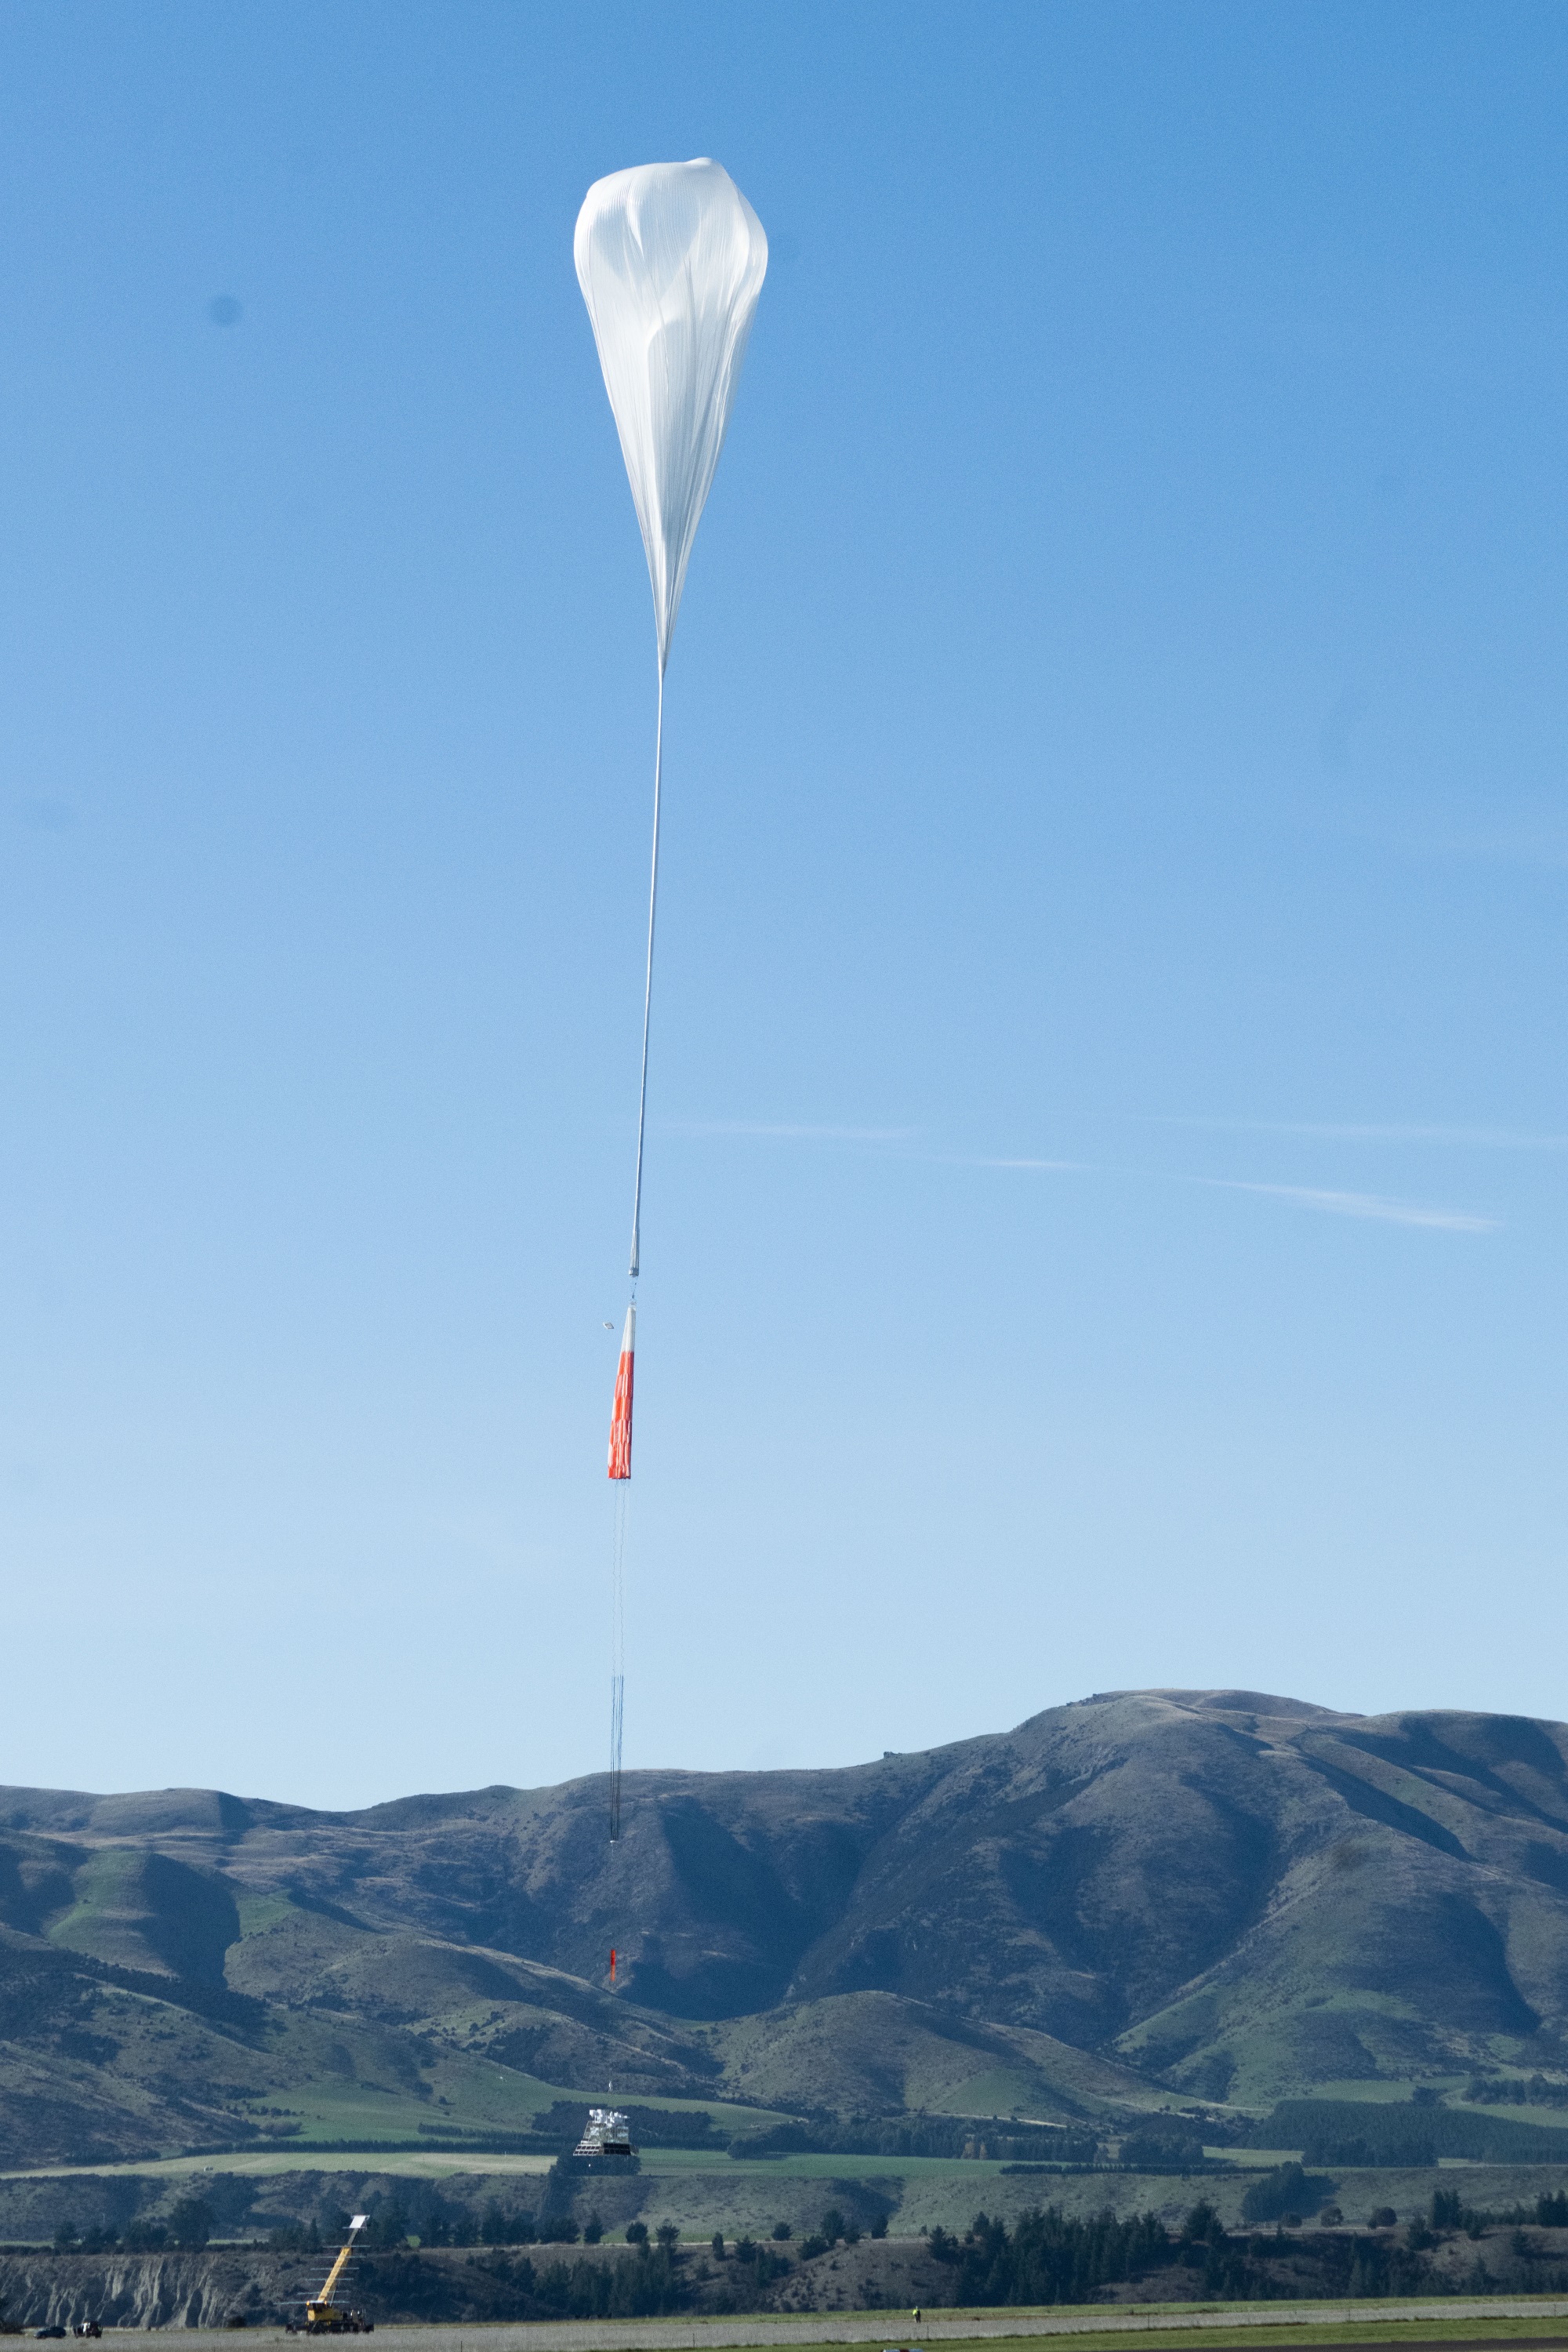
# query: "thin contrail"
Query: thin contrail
1377,1207
1478,1139
1359,1204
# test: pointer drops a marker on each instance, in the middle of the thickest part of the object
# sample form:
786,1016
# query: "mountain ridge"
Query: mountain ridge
1137,1899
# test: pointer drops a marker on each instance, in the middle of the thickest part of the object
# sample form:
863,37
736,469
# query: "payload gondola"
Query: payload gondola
606,2133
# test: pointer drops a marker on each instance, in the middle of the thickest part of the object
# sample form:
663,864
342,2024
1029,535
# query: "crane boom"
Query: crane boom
335,2274
322,2315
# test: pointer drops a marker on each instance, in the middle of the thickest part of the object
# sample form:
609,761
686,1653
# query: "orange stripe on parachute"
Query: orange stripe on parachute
621,1412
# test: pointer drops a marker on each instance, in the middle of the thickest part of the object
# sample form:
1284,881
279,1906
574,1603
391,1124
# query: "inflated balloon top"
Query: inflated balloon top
670,257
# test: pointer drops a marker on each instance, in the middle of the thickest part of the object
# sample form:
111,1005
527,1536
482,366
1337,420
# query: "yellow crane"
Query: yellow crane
322,2315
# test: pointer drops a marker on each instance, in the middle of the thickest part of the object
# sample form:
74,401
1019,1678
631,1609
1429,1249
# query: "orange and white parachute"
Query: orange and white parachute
621,1410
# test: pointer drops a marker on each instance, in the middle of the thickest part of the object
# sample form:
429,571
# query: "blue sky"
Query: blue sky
1104,1213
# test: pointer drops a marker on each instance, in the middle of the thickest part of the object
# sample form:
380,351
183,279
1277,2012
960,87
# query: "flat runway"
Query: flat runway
1321,2322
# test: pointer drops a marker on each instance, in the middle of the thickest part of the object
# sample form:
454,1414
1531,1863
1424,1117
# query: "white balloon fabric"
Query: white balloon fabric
670,257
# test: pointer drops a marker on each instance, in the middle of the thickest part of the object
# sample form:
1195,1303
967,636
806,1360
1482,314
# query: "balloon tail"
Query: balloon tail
617,1657
648,984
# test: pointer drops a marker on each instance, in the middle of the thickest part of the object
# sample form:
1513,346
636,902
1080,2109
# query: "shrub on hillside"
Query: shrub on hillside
1284,2188
190,2224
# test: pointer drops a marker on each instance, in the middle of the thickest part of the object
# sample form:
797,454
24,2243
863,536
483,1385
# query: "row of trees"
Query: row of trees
1497,2091
429,2220
502,2285
894,2136
1048,2258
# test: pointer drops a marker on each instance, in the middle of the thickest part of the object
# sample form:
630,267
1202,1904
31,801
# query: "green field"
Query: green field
467,2094
978,2169
271,2163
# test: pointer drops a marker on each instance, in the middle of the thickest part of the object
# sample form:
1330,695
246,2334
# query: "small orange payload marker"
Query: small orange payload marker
621,1412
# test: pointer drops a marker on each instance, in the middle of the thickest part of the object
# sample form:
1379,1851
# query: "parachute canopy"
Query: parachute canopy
670,257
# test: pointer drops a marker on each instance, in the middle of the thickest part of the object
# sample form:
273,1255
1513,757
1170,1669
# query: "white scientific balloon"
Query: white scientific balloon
670,257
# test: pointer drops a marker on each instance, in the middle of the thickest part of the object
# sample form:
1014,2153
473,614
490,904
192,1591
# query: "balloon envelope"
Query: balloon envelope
670,257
